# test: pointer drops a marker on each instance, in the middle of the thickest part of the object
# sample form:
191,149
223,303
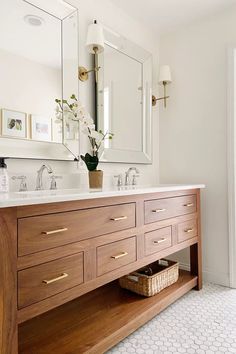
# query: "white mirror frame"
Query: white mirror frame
132,50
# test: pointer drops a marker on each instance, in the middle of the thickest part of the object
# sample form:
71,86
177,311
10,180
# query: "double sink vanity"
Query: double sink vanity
63,251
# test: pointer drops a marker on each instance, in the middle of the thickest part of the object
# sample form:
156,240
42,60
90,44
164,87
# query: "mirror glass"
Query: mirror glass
38,64
124,100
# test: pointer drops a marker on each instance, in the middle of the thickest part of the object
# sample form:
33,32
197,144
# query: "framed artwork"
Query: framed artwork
14,124
41,128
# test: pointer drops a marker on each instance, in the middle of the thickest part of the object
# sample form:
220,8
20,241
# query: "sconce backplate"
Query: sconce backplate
83,73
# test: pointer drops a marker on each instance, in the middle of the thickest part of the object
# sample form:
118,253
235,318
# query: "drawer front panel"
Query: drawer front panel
160,209
187,230
115,255
42,281
157,240
40,233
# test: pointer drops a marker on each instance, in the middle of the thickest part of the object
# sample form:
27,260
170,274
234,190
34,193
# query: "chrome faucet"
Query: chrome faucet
127,176
39,180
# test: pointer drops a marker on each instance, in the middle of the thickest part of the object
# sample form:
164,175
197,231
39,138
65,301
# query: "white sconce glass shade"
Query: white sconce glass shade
165,74
95,38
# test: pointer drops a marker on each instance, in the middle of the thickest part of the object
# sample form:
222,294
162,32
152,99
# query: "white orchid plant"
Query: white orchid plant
75,111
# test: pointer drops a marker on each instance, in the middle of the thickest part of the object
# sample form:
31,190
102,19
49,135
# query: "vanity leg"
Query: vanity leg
8,282
196,250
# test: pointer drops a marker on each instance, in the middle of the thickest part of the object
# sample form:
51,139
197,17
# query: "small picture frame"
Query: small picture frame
41,128
13,124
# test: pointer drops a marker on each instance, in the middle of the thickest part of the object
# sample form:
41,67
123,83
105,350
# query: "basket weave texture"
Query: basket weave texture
164,274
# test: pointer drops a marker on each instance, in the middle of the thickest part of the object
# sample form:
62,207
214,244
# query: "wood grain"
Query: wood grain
26,313
78,225
187,230
115,255
97,321
158,240
31,285
97,241
196,249
8,282
166,208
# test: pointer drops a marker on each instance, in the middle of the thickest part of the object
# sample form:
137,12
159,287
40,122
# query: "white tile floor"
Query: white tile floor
201,322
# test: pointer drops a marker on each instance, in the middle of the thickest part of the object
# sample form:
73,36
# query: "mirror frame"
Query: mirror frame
139,54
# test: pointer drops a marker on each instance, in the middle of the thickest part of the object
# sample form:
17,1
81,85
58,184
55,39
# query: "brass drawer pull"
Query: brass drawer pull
189,205
62,276
119,218
160,241
54,231
123,254
188,230
158,210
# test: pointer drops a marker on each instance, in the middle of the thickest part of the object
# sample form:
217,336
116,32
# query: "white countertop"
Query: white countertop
42,197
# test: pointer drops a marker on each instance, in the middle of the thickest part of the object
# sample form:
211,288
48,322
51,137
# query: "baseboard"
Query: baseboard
210,277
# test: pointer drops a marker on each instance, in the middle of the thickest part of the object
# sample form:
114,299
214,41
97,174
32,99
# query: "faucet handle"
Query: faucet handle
119,180
134,180
23,184
54,182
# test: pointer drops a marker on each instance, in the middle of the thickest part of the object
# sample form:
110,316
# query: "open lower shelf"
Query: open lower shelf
96,321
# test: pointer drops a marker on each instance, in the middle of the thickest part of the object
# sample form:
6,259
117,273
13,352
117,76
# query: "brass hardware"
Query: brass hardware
188,230
119,218
54,231
158,210
189,205
83,72
123,254
62,276
155,99
160,241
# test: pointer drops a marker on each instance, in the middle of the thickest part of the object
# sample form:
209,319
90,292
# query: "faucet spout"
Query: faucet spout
127,175
39,180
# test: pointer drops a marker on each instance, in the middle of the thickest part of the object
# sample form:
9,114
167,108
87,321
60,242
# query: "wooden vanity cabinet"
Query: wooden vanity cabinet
60,263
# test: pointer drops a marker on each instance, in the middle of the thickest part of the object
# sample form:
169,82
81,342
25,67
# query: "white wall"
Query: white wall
193,140
109,15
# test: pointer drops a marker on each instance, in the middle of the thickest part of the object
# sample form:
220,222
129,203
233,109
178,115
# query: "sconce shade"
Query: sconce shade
95,38
165,74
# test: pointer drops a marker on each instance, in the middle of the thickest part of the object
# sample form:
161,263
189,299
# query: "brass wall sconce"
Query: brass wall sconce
95,45
164,79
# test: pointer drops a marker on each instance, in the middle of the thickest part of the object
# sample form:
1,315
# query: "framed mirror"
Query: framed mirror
123,95
38,64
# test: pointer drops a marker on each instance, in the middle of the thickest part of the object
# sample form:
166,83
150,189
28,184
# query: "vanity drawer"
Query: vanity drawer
42,281
158,240
40,233
115,255
187,230
160,209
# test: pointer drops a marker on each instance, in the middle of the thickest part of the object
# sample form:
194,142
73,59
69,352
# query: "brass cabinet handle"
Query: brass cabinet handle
119,218
62,276
189,204
188,230
54,231
158,210
160,241
123,254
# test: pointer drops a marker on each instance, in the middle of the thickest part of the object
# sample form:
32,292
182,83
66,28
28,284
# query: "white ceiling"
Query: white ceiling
166,15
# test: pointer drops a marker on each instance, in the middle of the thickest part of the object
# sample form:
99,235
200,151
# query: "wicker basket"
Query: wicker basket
150,280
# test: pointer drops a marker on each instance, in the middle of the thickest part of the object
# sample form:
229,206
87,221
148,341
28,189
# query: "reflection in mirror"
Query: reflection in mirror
124,100
36,47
